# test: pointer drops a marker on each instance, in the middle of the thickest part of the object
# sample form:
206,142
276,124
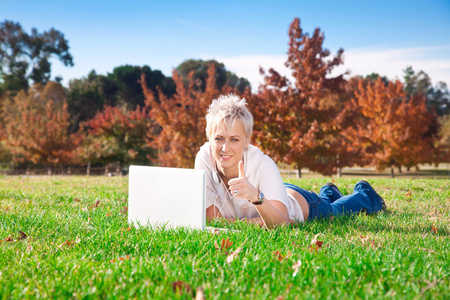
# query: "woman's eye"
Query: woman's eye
235,140
218,139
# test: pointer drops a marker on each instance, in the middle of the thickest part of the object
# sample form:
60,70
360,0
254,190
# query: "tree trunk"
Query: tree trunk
339,172
400,169
69,171
299,169
118,170
49,171
392,172
88,169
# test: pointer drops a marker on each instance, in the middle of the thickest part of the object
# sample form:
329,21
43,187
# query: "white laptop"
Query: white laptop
167,197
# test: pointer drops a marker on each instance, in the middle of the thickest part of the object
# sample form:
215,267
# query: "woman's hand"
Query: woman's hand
241,188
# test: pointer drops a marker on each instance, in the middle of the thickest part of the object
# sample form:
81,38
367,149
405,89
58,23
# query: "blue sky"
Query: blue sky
377,36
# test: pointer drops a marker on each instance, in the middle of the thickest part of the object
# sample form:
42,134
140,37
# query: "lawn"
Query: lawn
68,237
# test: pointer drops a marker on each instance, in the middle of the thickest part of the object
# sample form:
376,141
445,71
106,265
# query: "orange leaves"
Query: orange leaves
7,239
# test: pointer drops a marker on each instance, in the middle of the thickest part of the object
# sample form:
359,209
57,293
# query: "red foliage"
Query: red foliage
393,130
296,122
36,125
181,118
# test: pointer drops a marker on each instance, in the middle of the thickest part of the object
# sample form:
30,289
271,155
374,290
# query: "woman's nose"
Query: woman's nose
225,146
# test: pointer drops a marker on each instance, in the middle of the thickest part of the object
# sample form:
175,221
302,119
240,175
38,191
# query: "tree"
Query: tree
294,122
181,118
129,90
36,126
118,136
25,57
394,130
223,76
86,97
438,97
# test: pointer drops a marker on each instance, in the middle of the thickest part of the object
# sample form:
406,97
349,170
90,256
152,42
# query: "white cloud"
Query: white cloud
387,62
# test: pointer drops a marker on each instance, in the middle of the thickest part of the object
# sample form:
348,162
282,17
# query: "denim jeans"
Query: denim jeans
331,203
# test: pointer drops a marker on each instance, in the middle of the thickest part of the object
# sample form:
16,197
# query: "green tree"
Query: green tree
129,90
25,57
438,97
200,69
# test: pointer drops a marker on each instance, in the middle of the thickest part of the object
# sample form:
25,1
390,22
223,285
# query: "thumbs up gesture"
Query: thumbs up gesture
241,188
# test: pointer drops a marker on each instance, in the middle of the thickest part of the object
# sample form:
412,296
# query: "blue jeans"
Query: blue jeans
331,203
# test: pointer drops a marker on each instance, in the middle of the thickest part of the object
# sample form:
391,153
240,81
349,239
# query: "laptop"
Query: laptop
167,197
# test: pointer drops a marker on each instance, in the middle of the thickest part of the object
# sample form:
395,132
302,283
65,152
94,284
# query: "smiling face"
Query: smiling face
227,147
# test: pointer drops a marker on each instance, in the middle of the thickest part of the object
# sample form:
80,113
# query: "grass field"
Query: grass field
68,237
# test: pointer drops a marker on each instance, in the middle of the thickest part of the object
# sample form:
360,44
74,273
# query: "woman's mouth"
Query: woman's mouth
225,157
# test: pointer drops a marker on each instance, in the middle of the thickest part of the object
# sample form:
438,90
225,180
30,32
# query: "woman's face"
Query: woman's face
228,147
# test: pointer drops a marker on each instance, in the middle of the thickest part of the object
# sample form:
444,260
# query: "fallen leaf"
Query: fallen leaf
65,243
233,255
127,229
180,286
296,267
281,257
7,239
108,214
112,261
199,295
316,245
224,245
126,257
95,205
433,228
22,235
76,200
408,194
124,210
366,240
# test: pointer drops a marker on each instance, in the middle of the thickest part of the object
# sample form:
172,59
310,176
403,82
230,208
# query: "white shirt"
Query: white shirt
260,170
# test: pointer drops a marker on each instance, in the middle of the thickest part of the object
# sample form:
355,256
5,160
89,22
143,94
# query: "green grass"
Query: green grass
403,253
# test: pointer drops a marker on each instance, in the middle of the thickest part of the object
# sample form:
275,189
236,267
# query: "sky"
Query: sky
377,36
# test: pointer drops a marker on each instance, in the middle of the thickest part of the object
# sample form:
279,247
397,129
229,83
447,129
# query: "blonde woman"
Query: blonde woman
244,183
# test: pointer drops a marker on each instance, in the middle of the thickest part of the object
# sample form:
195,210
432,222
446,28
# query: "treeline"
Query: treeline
136,115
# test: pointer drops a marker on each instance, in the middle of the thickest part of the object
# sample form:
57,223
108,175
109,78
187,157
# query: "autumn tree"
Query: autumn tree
25,57
36,126
117,136
181,118
295,121
394,130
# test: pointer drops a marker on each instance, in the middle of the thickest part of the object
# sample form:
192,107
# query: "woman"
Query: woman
243,183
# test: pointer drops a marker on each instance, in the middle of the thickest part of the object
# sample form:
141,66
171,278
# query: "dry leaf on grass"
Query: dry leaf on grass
124,210
233,255
126,229
434,229
22,235
180,286
108,214
199,295
224,245
296,267
123,258
7,239
95,205
368,241
76,200
70,243
281,257
316,245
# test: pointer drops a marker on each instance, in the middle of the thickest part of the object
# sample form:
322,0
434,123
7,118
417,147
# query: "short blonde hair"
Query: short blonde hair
224,111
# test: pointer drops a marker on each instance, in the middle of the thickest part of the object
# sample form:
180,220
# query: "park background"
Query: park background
74,98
